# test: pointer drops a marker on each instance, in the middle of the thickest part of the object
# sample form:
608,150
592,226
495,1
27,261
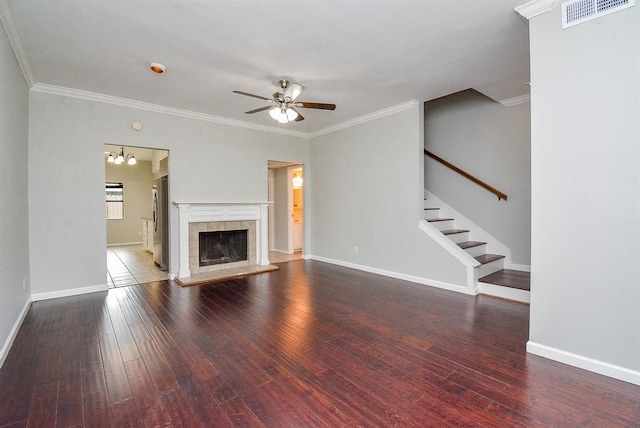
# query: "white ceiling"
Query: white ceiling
362,55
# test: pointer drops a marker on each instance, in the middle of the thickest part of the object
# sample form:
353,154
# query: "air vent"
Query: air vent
579,11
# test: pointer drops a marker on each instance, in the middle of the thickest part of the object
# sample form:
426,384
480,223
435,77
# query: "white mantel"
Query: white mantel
196,212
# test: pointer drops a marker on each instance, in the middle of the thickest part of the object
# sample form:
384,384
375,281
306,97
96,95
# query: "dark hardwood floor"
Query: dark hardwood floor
309,345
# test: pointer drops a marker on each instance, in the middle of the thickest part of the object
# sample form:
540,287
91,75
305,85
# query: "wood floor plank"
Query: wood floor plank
204,406
147,397
290,410
131,314
69,408
374,411
180,410
113,366
160,372
240,371
126,414
126,343
309,345
386,387
97,410
320,405
240,414
93,379
15,408
86,318
114,373
44,405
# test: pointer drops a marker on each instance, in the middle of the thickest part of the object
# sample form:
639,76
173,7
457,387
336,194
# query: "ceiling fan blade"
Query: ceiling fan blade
258,110
322,106
254,96
299,117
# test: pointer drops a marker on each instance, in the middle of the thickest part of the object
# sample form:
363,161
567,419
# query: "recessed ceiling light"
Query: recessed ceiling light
157,67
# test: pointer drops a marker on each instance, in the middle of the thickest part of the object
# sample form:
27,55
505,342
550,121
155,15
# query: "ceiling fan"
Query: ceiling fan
283,104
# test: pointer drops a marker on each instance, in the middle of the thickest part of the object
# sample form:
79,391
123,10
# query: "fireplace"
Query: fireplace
197,217
219,245
225,246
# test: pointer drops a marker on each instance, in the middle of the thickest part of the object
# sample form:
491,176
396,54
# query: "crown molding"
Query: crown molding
535,8
126,102
522,99
366,118
9,23
156,108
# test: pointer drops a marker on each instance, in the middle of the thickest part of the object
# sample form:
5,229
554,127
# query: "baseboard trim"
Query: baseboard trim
69,292
6,347
123,244
275,250
586,363
525,268
396,275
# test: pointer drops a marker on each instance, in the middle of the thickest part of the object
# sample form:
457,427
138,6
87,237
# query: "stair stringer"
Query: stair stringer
461,255
476,232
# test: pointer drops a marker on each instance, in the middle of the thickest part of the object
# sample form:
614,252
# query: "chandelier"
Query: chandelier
118,158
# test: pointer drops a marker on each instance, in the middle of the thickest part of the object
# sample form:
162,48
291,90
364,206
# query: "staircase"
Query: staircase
493,278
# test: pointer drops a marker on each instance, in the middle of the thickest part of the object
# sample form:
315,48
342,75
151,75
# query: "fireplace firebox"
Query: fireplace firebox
220,247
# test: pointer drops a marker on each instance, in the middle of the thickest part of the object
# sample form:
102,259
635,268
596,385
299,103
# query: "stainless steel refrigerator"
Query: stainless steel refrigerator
160,215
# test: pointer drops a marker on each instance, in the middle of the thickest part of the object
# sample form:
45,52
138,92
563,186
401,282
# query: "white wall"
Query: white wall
585,291
365,188
137,181
207,162
14,233
493,143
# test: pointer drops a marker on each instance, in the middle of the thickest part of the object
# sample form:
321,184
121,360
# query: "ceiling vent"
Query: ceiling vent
578,11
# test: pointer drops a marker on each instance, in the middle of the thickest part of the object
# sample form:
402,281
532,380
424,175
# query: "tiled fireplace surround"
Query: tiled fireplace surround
199,217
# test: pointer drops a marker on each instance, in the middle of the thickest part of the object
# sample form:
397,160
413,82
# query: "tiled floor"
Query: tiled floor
275,257
130,265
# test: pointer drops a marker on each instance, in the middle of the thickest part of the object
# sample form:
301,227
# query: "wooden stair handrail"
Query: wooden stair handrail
498,193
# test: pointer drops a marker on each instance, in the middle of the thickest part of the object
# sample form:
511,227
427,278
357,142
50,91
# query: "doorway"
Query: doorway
136,252
286,211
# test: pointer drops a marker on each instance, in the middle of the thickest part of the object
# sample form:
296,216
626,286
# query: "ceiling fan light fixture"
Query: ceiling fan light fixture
275,113
283,114
284,105
293,90
291,114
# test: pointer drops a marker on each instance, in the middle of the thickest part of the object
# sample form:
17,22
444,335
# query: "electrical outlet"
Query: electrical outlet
356,250
24,284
